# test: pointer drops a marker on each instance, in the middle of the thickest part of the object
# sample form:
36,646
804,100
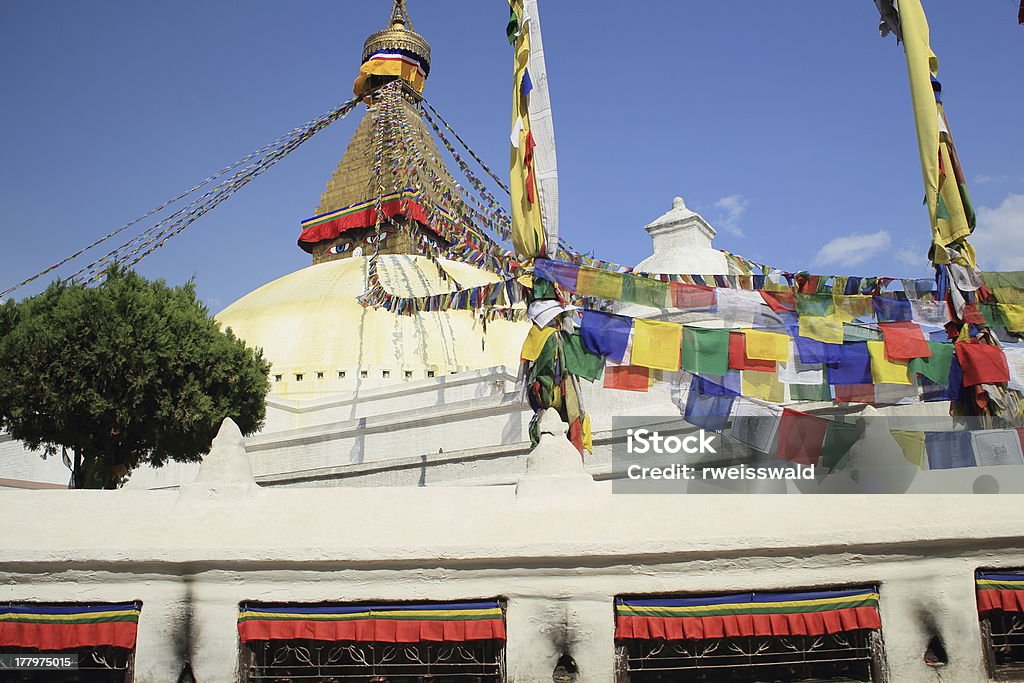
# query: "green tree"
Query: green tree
127,373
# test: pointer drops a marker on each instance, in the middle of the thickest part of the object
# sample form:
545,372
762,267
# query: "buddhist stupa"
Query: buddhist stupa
310,324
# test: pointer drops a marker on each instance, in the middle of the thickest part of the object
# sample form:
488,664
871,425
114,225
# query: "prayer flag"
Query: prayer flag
719,385
839,439
691,296
645,291
755,424
855,393
535,342
817,305
853,307
853,365
982,363
889,310
606,333
883,370
627,378
528,235
934,313
948,450
1013,314
947,208
801,437
994,447
707,412
565,274
810,392
813,351
904,341
656,344
763,385
795,372
827,330
603,284
912,445
578,360
936,366
738,359
766,346
706,350
779,301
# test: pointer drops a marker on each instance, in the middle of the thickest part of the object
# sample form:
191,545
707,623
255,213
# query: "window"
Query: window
363,374
430,373
465,641
385,374
341,374
408,374
101,636
1001,611
319,375
298,376
278,378
832,635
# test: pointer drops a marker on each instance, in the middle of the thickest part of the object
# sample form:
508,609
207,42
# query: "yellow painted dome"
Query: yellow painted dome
320,340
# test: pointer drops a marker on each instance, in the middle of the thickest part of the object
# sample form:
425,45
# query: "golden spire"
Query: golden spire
399,36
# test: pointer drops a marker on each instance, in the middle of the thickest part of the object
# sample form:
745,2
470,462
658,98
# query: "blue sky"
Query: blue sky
787,124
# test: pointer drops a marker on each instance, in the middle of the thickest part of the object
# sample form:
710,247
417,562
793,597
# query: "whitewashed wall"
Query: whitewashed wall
559,548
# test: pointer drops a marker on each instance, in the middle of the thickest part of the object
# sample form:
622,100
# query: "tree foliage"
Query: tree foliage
127,373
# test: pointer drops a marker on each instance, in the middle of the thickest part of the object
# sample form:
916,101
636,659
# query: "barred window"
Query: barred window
397,643
99,636
1001,612
830,635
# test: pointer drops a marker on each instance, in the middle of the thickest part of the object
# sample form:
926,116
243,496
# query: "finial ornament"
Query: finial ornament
400,14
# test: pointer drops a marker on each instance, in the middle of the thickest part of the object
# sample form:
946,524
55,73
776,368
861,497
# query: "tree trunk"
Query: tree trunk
77,472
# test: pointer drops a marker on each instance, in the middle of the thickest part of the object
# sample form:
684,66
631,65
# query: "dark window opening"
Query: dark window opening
319,375
427,662
849,656
278,378
298,377
341,374
386,374
430,373
408,374
95,665
1003,638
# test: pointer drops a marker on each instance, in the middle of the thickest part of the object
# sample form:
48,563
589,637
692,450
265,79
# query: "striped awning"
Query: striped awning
62,627
1000,590
747,614
398,623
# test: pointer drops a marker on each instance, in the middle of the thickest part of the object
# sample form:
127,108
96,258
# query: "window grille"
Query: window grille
1000,597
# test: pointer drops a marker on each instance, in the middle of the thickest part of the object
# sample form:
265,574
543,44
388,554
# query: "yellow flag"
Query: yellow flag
763,385
883,370
600,283
828,330
527,225
766,345
535,342
912,445
656,344
949,215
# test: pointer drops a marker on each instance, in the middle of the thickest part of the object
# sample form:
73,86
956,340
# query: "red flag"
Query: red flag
738,356
691,296
982,363
855,393
904,341
801,437
627,378
779,301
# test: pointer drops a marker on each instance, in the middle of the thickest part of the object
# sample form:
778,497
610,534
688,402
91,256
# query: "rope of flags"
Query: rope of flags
232,178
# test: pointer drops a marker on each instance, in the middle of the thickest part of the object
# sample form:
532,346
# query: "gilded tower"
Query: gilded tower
373,175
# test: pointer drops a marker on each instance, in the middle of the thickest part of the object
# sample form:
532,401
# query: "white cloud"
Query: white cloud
992,180
850,250
911,257
999,237
731,209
